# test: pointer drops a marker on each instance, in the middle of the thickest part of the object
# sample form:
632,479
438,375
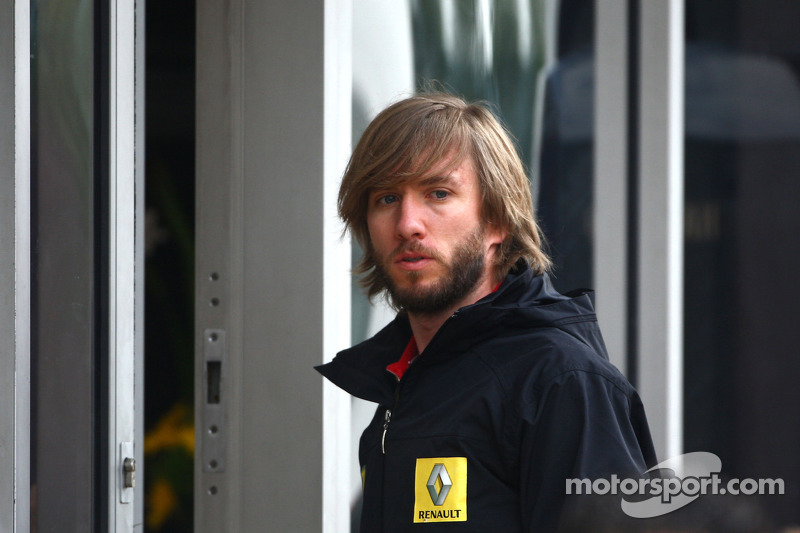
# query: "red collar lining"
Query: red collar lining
399,367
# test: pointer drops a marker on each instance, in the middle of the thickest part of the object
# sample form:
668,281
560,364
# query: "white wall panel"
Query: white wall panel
661,222
611,175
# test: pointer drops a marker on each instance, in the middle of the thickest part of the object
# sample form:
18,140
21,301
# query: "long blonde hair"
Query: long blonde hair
413,136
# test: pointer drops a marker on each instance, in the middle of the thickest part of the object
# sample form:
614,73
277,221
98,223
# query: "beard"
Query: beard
461,275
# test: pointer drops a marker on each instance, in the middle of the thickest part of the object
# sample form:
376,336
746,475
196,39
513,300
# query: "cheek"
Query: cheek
371,224
376,230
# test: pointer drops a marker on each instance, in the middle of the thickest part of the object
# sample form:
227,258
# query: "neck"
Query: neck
425,326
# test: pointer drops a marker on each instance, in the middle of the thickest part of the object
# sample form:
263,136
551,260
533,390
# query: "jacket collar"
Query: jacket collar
524,300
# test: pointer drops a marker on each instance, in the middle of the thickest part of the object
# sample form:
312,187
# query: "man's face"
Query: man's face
431,247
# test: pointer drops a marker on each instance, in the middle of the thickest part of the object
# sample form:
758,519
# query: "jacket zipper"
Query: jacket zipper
387,417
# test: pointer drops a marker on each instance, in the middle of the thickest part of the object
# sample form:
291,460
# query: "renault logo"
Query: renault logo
440,489
439,484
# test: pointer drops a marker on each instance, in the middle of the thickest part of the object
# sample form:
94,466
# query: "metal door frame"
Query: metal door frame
125,262
15,90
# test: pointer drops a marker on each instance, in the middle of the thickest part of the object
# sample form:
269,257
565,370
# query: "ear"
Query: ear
494,234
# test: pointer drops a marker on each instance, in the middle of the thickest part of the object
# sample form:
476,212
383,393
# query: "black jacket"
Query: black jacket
513,395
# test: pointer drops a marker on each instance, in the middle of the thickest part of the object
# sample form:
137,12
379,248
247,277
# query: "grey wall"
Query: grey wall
267,116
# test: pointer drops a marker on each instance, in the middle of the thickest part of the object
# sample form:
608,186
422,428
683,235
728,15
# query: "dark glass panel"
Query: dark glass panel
741,251
63,262
169,268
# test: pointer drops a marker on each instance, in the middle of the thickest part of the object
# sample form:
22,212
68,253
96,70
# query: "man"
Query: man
493,388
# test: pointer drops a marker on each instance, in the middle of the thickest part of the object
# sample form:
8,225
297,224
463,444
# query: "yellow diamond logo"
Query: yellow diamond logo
440,489
439,484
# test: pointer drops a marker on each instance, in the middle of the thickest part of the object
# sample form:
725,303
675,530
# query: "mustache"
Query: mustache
416,247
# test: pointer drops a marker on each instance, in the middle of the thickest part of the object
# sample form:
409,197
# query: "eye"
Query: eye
440,195
386,199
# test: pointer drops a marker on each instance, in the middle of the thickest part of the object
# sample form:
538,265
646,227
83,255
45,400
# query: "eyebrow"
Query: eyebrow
430,181
438,180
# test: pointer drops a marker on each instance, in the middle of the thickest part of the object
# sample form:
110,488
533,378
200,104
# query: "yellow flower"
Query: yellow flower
175,429
161,503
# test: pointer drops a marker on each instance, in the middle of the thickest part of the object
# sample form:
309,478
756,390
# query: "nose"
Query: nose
410,219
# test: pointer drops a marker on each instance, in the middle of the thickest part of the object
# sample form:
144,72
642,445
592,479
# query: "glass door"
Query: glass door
67,287
83,234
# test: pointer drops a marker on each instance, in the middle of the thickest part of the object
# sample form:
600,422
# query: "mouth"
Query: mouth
412,261
410,256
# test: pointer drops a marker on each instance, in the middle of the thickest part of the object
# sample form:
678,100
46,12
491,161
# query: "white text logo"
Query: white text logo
695,474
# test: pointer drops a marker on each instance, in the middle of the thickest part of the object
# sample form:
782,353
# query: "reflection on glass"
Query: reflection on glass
741,252
491,51
63,292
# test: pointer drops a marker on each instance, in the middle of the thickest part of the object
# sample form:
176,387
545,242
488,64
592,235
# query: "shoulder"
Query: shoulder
551,359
